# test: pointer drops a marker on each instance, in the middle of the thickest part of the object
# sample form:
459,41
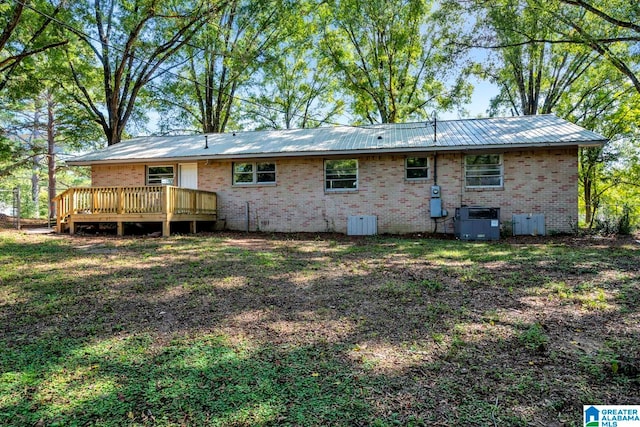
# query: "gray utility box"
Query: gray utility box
435,204
477,223
528,225
364,225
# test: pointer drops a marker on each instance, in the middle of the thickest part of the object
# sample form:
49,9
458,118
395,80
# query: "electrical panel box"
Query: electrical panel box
435,208
435,203
477,223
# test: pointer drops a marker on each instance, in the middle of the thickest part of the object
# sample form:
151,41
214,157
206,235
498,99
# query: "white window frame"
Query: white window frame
164,178
469,169
328,182
254,173
407,168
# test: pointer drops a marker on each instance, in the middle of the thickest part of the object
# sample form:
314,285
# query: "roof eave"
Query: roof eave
368,151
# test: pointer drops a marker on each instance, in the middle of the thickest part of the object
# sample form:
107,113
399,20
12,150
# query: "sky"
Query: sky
482,94
478,107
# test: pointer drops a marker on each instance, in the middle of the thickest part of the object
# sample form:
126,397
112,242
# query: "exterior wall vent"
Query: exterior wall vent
528,225
362,225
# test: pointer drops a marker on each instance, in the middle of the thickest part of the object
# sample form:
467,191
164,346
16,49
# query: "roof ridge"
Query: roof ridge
466,119
363,126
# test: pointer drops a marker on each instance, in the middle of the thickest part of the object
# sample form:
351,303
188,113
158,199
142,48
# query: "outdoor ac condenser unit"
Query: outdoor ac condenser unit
477,223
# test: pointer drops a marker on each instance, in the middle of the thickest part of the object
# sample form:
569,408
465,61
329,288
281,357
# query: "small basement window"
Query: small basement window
160,175
483,170
254,173
416,168
341,175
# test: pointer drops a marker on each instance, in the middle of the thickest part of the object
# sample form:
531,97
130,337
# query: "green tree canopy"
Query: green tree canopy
27,31
223,58
129,42
296,87
395,57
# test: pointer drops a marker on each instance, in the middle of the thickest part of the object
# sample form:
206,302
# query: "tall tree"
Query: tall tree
130,41
607,103
26,31
395,57
221,60
24,129
41,120
609,27
296,87
532,76
293,94
40,127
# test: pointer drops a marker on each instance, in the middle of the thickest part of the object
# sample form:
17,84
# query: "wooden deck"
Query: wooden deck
121,205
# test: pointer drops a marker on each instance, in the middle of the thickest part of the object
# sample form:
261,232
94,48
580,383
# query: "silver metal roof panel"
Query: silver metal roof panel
465,134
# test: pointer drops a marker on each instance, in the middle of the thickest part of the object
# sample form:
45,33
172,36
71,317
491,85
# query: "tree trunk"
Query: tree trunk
51,155
35,164
35,187
587,201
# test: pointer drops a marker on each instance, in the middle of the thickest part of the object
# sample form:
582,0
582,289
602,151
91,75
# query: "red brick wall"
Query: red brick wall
542,181
123,175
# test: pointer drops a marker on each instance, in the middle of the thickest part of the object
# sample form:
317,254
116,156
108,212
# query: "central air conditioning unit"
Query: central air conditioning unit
477,223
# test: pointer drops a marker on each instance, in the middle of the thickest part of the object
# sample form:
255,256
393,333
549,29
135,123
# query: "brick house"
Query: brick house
315,179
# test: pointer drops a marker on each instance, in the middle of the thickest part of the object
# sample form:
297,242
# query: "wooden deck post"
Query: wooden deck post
120,228
71,208
58,214
166,228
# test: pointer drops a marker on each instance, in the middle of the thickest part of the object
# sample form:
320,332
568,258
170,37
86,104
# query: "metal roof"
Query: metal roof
452,135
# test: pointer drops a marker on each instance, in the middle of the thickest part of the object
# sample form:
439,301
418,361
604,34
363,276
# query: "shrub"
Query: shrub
611,222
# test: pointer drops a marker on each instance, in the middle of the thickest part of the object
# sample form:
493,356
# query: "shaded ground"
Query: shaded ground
9,223
249,329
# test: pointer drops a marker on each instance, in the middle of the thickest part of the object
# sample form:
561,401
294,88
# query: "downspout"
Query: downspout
435,182
462,179
435,164
435,153
435,168
247,214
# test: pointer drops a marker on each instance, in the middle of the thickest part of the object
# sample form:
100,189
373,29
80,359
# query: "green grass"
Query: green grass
204,380
259,330
534,338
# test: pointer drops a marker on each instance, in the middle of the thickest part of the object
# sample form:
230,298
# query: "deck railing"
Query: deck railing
134,200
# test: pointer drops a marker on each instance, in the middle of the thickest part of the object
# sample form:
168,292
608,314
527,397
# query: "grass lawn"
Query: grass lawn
235,330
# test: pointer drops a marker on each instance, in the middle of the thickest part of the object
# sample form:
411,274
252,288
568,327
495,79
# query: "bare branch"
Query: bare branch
586,6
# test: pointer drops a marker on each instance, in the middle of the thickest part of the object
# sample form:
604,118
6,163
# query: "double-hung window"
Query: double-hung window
254,173
483,171
160,175
416,168
341,175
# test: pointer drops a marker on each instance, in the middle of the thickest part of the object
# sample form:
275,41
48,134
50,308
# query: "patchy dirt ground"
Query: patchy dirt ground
9,223
435,332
